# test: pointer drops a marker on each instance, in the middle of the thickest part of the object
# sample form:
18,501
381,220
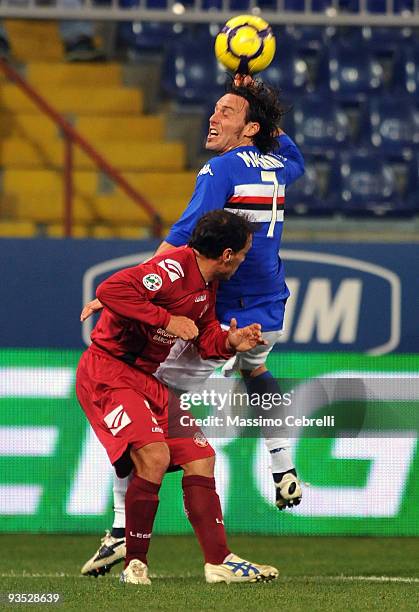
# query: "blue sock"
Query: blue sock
263,383
282,462
264,386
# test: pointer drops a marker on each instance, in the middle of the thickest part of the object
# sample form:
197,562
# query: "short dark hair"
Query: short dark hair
219,230
265,108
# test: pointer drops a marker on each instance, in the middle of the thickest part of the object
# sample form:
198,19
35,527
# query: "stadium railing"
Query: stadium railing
72,137
277,12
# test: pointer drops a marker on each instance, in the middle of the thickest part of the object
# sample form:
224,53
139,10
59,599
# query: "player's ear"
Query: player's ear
227,255
252,129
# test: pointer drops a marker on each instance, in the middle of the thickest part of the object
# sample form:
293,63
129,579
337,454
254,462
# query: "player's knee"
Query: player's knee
200,467
151,461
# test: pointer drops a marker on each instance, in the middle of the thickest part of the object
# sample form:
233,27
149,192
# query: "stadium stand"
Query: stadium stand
288,72
380,6
349,74
189,76
306,197
412,185
389,125
321,127
31,154
365,185
352,94
406,70
382,41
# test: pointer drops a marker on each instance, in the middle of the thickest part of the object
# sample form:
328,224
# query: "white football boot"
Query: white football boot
235,569
135,573
288,491
111,550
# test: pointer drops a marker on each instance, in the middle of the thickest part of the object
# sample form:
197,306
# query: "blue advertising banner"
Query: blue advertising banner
345,297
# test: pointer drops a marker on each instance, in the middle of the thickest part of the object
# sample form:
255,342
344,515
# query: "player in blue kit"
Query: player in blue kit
255,162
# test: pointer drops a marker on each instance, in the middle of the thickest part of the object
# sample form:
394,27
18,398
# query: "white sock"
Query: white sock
120,486
279,450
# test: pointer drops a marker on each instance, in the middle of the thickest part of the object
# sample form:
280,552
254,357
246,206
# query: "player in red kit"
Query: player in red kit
146,308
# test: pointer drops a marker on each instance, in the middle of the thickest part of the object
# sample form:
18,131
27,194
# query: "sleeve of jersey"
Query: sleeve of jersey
211,341
130,293
212,191
294,166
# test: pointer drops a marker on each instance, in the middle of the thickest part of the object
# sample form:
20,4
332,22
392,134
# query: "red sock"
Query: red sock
141,503
203,509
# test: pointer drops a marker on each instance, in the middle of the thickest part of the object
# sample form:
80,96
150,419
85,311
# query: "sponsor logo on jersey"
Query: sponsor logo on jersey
173,269
205,170
117,419
163,337
201,298
199,439
152,282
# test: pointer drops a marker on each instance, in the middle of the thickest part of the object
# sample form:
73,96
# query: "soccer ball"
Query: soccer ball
245,44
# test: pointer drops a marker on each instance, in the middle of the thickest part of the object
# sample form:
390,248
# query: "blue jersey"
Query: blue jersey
245,181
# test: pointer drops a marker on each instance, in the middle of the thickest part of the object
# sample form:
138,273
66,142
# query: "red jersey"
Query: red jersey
139,301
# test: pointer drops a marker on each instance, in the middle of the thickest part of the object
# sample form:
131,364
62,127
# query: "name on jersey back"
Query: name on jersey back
252,160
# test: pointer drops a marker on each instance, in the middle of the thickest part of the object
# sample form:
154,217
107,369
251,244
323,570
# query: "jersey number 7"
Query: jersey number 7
270,177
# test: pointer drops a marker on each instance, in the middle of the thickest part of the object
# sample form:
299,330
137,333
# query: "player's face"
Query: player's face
231,261
228,127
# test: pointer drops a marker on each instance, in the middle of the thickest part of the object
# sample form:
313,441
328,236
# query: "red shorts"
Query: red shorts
127,407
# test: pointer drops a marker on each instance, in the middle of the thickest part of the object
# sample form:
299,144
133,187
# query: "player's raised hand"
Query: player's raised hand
90,308
245,338
243,80
182,327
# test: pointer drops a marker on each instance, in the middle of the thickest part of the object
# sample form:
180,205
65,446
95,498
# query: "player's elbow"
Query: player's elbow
300,166
100,292
298,169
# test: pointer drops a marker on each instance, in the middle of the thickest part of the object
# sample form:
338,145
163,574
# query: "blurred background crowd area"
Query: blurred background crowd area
141,92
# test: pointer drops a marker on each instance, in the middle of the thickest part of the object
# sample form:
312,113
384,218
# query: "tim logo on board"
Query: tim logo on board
337,303
340,303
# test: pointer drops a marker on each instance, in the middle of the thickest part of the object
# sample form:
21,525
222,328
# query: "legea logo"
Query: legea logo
340,303
173,269
117,419
336,303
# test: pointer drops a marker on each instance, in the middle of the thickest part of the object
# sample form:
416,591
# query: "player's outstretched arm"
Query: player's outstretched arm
245,338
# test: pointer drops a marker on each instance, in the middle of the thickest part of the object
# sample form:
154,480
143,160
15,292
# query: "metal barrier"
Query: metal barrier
334,13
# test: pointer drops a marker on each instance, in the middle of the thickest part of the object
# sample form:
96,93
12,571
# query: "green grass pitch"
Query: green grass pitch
316,573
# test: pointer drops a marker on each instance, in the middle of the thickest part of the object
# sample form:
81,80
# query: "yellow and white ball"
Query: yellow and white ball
245,44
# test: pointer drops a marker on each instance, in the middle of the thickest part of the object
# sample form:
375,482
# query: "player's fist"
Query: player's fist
90,308
246,338
182,327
